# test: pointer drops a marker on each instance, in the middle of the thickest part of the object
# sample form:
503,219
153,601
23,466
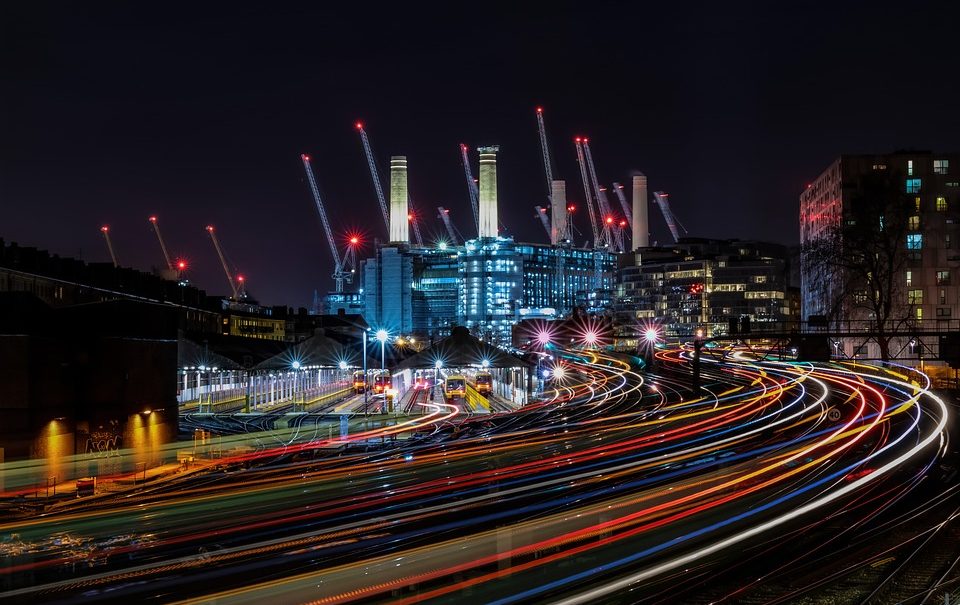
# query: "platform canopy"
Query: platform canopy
461,349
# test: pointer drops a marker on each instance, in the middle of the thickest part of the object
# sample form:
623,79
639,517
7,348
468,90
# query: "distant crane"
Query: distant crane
375,175
415,223
542,215
234,288
545,151
627,212
163,247
472,189
600,239
341,273
668,216
609,224
105,230
451,231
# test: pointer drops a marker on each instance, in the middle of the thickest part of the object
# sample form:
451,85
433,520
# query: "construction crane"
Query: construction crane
451,231
340,272
668,216
545,151
375,175
600,238
609,224
415,223
105,230
472,189
627,212
223,261
163,247
542,215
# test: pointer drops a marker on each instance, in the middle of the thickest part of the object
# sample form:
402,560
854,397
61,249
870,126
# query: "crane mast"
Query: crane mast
545,150
105,230
223,261
163,246
340,275
598,241
445,217
671,220
542,215
472,189
602,203
375,175
412,218
627,212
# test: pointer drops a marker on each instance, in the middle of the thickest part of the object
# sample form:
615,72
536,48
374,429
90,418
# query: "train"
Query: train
359,382
455,386
484,383
382,382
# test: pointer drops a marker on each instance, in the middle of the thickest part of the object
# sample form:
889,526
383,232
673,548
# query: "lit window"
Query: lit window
913,223
941,204
920,313
915,297
943,296
941,166
947,241
913,185
909,167
914,241
909,278
916,203
943,278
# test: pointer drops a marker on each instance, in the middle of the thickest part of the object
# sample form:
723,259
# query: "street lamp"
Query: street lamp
296,367
382,336
365,385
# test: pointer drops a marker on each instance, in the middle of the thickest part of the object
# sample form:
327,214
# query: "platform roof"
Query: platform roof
462,349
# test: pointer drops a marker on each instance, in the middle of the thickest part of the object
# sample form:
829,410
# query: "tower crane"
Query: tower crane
609,225
415,223
472,189
375,175
545,151
234,288
163,247
542,215
451,231
600,239
105,230
627,212
668,216
340,272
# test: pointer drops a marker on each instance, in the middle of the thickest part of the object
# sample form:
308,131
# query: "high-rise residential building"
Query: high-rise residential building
700,284
387,290
435,291
928,288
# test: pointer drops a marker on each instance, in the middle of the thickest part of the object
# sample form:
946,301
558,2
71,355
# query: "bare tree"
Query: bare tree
864,258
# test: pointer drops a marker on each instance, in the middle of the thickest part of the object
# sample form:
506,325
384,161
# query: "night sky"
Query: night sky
198,112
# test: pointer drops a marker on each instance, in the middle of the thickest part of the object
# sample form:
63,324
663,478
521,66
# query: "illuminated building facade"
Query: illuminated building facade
491,287
932,276
699,284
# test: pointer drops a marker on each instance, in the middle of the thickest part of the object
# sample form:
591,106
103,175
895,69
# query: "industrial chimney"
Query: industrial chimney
488,191
558,212
399,223
641,226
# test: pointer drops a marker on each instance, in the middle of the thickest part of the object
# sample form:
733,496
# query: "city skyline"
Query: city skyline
201,119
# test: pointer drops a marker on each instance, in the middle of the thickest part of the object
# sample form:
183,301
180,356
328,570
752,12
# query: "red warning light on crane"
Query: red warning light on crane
539,109
623,223
304,157
578,139
153,219
354,240
181,265
241,278
609,220
210,228
105,228
571,208
359,125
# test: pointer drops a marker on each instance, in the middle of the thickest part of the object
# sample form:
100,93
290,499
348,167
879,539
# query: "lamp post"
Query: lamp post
365,385
382,336
296,370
